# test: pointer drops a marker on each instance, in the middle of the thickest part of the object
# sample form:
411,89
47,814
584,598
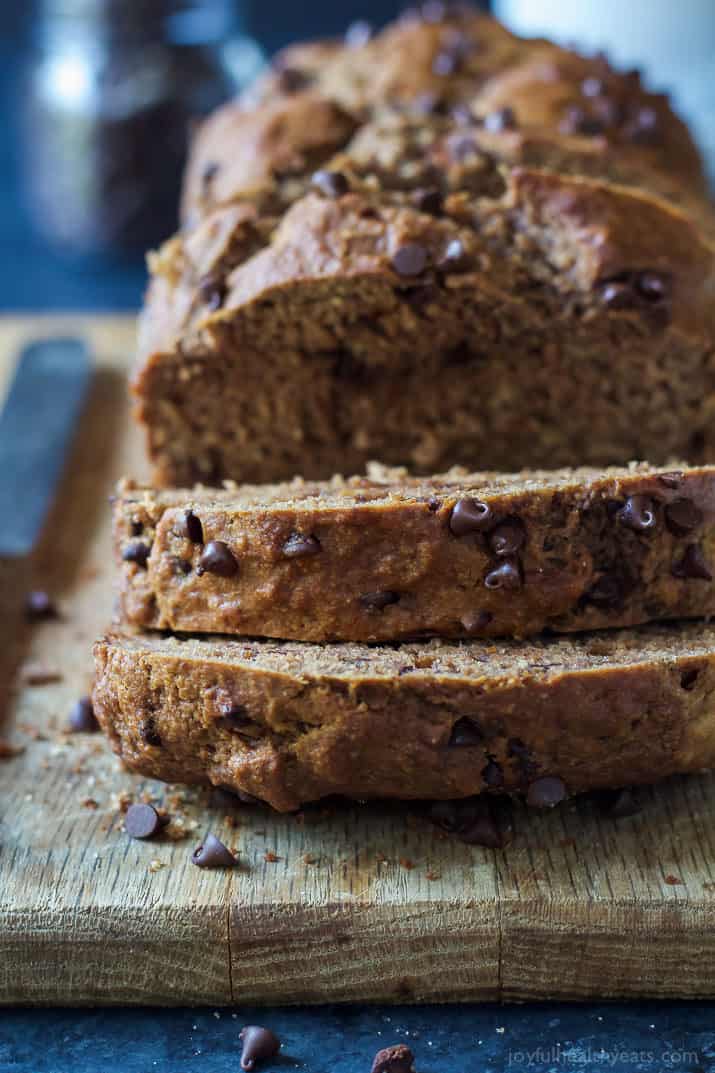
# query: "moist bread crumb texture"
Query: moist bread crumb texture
444,245
389,557
290,723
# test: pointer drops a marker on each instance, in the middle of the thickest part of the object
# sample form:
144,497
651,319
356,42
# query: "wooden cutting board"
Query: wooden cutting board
364,903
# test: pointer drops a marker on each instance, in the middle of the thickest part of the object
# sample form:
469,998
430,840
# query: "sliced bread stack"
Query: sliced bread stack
439,245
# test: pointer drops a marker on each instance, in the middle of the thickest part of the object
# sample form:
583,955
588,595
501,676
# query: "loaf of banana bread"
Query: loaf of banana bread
290,723
388,556
442,245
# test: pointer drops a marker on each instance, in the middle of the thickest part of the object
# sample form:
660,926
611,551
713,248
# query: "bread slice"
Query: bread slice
290,723
389,557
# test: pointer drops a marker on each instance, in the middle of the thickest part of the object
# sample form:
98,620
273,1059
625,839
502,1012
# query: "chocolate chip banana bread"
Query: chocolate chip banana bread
290,722
440,246
388,556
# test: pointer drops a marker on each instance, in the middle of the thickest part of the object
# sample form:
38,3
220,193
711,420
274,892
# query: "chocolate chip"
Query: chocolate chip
39,606
397,1059
378,601
149,733
470,819
504,119
692,565
428,200
465,732
644,127
358,33
136,551
455,258
507,575
292,80
213,854
433,504
617,804
577,121
300,547
136,527
82,719
235,718
689,678
191,528
331,183
493,775
592,87
617,294
682,516
410,259
476,621
213,291
546,792
180,566
508,538
258,1043
606,592
671,480
637,513
142,821
217,558
470,516
654,287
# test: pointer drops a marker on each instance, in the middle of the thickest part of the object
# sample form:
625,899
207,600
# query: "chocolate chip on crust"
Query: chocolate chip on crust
191,528
507,575
546,792
378,601
217,558
682,516
410,259
470,516
465,732
136,551
692,565
637,513
301,547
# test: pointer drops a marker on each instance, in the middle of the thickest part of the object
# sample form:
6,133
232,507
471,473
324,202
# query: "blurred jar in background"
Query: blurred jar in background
673,43
113,89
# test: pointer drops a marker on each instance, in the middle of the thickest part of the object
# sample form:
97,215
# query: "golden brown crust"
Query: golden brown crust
290,723
389,557
564,273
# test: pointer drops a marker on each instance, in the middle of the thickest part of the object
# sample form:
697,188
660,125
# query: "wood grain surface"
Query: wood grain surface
334,904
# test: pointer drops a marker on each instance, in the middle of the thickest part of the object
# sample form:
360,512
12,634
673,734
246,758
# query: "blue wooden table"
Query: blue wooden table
648,1038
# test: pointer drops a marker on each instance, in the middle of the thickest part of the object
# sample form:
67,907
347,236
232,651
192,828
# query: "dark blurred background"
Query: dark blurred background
97,96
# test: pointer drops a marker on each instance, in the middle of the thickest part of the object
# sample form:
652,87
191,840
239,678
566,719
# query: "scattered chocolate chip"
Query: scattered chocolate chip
136,527
292,80
475,621
39,606
142,821
397,1059
689,678
331,183
378,601
149,733
616,294
493,775
617,804
592,87
217,558
504,119
671,480
470,819
300,547
213,854
191,528
577,121
213,291
358,33
692,565
136,551
410,259
470,516
654,287
606,592
82,719
428,200
258,1043
433,504
465,732
507,575
637,513
546,792
507,538
455,257
682,516
644,127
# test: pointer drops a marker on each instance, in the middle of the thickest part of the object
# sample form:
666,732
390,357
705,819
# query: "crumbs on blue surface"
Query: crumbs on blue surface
634,1038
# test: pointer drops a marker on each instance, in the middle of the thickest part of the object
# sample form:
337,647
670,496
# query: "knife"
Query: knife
36,428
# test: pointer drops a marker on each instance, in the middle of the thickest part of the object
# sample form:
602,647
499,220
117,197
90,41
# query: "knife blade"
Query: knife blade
36,428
